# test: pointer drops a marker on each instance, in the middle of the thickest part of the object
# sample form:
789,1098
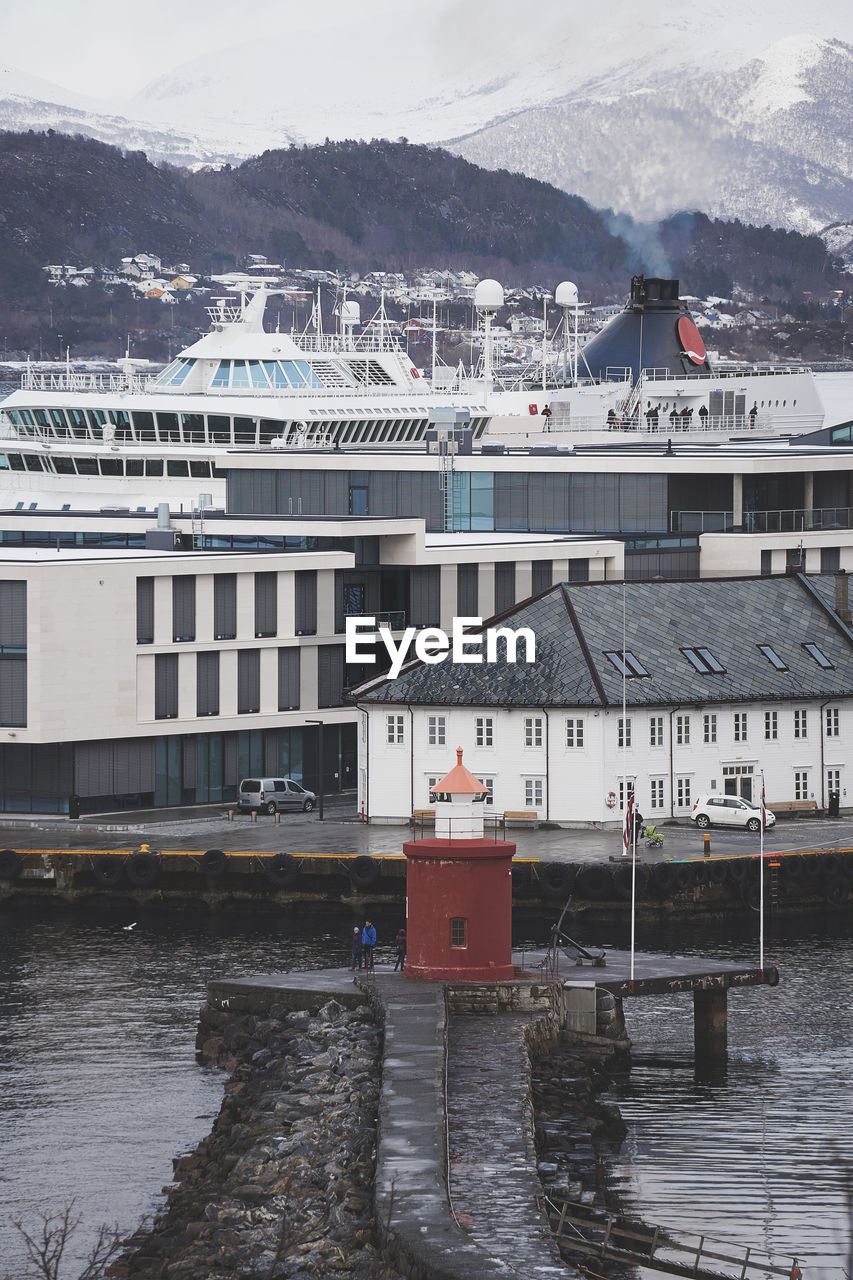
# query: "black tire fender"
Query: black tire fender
594,883
556,879
521,876
836,890
621,881
11,864
717,872
665,879
363,871
215,863
109,871
281,870
739,869
143,870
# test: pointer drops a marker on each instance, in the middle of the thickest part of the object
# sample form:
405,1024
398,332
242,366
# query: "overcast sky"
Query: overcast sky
109,49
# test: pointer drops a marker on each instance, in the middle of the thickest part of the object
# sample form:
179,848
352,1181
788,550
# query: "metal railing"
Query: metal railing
785,520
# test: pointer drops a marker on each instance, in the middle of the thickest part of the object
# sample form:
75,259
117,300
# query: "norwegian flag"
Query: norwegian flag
763,807
629,821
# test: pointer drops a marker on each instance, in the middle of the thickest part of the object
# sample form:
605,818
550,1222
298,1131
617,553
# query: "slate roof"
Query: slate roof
575,624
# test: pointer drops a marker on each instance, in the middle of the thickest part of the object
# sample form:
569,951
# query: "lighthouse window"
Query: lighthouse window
436,727
533,731
394,730
458,932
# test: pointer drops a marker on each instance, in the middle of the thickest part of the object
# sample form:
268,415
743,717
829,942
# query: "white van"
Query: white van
273,794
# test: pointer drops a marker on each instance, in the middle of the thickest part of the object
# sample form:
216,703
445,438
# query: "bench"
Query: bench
522,817
794,806
422,815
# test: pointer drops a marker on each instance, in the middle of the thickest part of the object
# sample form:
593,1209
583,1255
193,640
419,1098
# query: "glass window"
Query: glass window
703,660
623,732
220,378
177,467
772,657
458,932
740,726
484,731
436,726
801,784
709,728
832,722
656,787
533,731
682,793
257,376
771,725
656,731
574,733
239,374
814,651
627,663
533,791
682,731
394,730
489,783
801,724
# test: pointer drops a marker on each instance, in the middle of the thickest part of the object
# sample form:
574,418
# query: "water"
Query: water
100,1090
762,1152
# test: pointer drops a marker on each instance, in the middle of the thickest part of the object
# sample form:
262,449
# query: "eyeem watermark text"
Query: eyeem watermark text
434,645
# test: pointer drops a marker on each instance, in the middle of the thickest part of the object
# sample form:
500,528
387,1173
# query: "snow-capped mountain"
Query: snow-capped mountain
642,109
770,142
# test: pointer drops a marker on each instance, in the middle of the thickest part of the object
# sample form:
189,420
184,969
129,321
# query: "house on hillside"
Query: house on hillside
643,684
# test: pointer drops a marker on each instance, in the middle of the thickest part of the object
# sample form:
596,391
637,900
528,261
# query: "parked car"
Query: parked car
273,794
729,811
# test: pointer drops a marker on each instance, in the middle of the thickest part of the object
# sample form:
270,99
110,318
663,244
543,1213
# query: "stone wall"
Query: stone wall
282,1188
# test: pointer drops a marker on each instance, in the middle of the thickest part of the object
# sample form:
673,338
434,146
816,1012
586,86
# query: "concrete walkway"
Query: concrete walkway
493,1178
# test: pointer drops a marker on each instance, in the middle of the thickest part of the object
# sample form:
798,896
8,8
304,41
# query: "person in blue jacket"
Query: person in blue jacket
368,942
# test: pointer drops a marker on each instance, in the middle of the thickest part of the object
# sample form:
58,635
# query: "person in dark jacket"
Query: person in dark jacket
357,949
400,944
368,942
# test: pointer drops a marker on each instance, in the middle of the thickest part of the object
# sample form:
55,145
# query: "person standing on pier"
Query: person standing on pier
357,949
368,942
400,943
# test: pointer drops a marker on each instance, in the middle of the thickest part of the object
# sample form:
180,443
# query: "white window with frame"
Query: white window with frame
574,734
533,792
484,727
626,786
489,783
656,731
431,781
436,731
623,732
771,726
682,793
395,730
740,726
709,728
656,788
832,722
682,731
801,784
833,781
801,723
533,731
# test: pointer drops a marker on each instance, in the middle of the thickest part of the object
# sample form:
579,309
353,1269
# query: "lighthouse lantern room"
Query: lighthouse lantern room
459,890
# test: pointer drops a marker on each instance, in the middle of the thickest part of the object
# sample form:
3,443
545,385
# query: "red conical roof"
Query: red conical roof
460,781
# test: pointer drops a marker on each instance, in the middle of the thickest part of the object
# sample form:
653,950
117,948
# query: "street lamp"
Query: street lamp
319,723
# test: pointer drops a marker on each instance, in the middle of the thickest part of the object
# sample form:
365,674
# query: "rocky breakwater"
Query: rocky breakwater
282,1188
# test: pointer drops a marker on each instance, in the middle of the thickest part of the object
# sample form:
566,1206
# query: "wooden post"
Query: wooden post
710,1022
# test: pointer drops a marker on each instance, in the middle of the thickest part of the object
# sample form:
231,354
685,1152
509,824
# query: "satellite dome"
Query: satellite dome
566,294
488,296
350,313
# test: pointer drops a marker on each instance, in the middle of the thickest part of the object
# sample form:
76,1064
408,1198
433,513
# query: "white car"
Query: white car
729,811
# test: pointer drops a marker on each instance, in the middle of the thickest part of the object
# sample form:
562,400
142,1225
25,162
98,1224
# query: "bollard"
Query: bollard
254,815
706,841
277,817
230,815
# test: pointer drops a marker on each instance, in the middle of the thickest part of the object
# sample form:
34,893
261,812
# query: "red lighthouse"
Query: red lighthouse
459,890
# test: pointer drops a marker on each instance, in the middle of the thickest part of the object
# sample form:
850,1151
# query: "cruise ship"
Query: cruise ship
70,439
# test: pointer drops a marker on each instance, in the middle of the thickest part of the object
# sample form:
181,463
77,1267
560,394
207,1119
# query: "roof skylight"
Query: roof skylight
814,651
627,663
772,657
704,661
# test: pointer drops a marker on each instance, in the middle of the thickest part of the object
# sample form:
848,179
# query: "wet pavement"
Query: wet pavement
340,832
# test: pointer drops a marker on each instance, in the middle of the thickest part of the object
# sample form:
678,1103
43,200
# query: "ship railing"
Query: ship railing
758,371
32,380
783,520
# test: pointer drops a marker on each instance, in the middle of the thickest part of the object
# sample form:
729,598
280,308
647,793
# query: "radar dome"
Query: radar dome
350,313
566,294
488,296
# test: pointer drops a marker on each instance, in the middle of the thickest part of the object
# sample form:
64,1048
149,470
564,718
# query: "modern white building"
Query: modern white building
674,688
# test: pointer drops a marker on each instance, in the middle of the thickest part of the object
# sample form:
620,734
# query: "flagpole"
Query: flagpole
624,720
633,891
761,880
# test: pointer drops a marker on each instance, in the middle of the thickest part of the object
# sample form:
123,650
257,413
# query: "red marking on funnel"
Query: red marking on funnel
691,340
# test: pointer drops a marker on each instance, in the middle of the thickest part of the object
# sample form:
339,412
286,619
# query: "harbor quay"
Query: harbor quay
437,1175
